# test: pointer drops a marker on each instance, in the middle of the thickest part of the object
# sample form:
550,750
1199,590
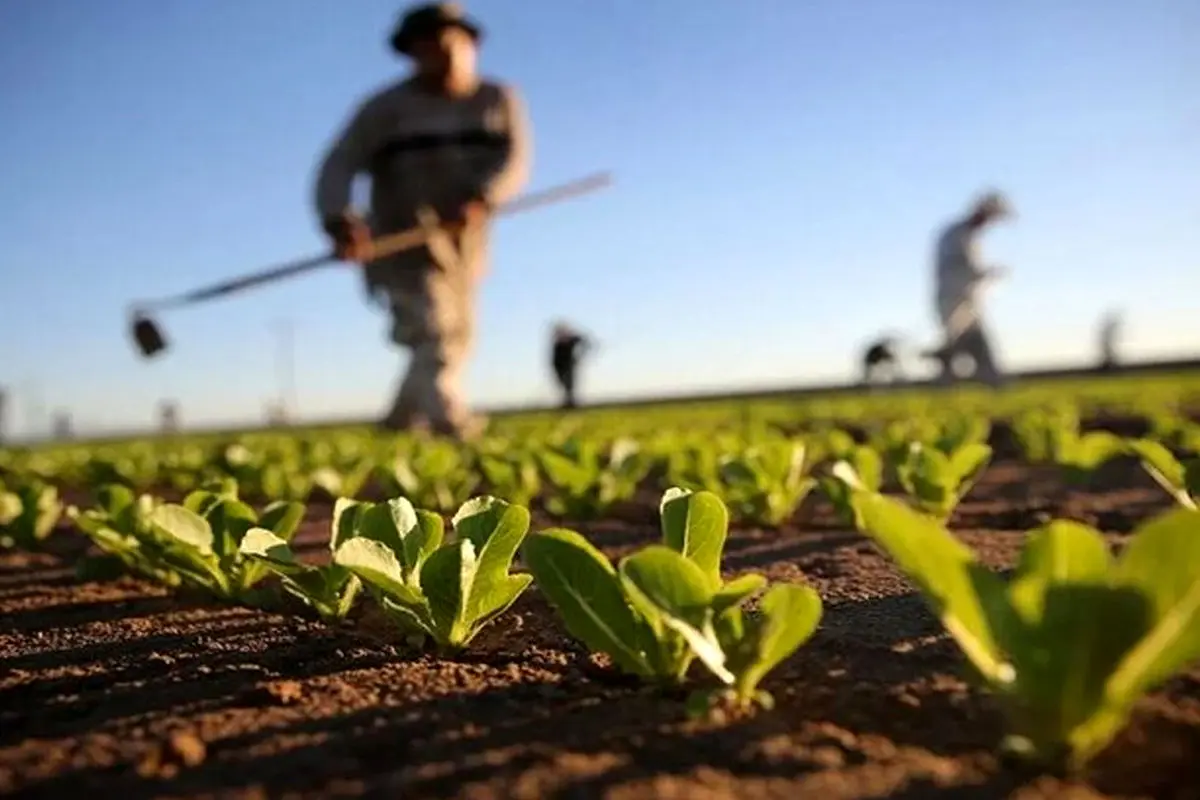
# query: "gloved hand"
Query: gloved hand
351,238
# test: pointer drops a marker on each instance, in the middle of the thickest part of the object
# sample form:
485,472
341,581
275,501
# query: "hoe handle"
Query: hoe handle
384,246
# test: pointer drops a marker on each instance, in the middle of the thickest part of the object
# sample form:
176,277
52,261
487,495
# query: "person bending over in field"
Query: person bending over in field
960,277
568,348
882,360
443,144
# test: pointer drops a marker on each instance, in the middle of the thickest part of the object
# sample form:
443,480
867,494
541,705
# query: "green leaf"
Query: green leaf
184,526
737,591
282,518
265,544
496,529
788,616
1163,562
954,585
376,565
447,579
674,594
584,589
695,525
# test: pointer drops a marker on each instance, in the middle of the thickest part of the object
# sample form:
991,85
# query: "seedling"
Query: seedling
445,592
1076,637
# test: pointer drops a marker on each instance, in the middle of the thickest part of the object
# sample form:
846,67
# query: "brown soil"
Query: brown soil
121,690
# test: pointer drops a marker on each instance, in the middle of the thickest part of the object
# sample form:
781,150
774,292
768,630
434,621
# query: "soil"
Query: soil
123,690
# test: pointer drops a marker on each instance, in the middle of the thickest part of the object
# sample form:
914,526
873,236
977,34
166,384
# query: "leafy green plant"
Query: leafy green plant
867,464
667,604
119,526
1180,478
936,481
434,474
512,474
200,539
768,481
447,592
1075,637
585,479
28,513
328,589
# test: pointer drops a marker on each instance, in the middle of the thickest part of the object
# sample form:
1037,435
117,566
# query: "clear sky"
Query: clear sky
781,168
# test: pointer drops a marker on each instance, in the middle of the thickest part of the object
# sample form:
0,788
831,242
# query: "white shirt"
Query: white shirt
959,275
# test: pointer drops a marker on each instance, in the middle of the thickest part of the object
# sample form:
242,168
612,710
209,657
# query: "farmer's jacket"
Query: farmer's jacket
423,149
960,274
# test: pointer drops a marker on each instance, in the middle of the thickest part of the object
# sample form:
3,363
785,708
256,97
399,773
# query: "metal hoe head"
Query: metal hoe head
146,334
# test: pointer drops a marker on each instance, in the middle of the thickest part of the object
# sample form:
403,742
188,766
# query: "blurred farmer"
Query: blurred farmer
960,277
569,347
441,144
881,360
1110,329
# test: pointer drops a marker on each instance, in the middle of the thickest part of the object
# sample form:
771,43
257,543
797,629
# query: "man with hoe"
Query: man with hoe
444,144
960,277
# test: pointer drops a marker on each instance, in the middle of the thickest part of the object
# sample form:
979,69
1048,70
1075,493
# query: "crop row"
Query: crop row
1067,643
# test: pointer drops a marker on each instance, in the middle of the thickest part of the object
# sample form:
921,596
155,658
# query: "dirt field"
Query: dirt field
120,690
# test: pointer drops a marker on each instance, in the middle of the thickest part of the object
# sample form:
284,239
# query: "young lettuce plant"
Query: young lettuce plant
768,482
446,592
512,474
1180,478
119,526
585,480
436,475
867,464
1079,455
201,539
28,514
1071,642
666,604
936,481
329,589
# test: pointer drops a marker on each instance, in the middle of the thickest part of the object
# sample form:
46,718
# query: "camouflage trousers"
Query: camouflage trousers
433,317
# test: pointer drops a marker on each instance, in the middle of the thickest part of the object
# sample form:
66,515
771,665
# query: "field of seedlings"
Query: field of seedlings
908,594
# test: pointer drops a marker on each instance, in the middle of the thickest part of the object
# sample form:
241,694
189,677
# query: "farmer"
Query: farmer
960,276
568,347
1110,329
442,143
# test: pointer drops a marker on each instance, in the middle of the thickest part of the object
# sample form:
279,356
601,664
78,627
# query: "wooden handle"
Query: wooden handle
393,243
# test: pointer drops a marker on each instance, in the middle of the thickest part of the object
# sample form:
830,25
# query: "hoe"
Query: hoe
149,336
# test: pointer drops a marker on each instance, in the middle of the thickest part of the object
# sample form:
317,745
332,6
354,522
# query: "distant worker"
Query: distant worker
569,347
960,276
442,144
1110,329
882,360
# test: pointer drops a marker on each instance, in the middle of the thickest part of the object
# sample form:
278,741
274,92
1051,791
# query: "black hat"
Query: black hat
428,18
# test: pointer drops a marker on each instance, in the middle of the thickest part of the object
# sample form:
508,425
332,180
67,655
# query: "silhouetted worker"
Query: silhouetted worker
442,144
960,276
882,360
1110,328
569,347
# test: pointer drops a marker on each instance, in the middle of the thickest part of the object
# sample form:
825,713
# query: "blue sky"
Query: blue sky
780,171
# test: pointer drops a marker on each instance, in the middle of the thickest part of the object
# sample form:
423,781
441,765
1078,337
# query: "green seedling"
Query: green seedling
768,482
583,479
119,526
867,464
1076,637
444,592
28,514
936,481
329,589
1179,478
667,605
201,540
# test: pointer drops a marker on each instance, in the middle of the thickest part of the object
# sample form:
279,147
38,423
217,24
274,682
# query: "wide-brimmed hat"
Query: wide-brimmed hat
427,18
